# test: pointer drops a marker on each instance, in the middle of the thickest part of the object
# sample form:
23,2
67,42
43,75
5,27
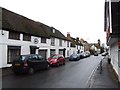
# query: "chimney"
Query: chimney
68,34
77,38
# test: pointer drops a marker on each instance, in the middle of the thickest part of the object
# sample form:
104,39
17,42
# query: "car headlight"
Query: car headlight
55,60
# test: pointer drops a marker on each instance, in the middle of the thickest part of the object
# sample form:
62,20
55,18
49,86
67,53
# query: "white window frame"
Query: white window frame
52,41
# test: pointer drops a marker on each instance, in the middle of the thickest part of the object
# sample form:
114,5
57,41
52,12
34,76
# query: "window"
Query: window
53,41
40,57
54,57
43,40
68,53
60,42
53,30
23,58
14,35
52,52
61,56
61,51
34,57
13,53
26,37
67,43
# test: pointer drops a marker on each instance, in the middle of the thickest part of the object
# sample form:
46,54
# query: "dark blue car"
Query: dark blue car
74,57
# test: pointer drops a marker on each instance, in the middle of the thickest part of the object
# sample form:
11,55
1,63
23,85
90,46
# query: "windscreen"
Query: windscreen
54,56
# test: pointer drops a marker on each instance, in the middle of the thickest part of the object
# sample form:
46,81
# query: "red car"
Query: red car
57,60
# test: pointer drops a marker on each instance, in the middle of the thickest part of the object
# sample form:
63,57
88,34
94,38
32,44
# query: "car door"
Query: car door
60,59
63,59
35,62
42,62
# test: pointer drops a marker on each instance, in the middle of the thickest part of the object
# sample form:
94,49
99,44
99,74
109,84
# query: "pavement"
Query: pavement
105,78
6,71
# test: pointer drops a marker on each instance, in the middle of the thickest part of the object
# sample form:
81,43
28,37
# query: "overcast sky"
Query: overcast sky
82,18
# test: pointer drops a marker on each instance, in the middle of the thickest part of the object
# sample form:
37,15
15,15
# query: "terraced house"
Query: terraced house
20,35
112,29
76,45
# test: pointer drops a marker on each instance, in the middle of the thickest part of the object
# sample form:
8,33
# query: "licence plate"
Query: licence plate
17,64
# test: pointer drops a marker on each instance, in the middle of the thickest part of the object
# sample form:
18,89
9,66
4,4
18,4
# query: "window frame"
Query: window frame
14,35
43,40
52,41
26,37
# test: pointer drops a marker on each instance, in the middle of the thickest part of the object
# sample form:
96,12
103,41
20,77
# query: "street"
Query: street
75,74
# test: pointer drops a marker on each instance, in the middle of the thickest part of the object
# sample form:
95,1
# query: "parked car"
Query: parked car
95,54
104,53
81,55
29,63
57,60
74,57
86,54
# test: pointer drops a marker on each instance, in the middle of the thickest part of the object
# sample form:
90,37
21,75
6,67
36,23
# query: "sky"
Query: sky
82,18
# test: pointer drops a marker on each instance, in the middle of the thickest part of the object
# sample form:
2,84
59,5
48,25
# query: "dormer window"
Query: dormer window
53,30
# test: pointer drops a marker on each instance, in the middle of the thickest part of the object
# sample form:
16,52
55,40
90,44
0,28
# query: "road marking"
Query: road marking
89,81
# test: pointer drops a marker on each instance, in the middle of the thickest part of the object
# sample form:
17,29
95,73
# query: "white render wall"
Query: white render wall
25,49
119,65
114,56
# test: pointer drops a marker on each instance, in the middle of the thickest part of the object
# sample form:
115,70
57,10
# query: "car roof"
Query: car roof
29,54
58,54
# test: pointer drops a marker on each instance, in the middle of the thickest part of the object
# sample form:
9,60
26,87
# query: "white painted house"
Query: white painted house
20,35
112,28
76,45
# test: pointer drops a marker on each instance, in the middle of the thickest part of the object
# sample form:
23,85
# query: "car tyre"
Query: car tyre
64,63
31,71
16,73
58,64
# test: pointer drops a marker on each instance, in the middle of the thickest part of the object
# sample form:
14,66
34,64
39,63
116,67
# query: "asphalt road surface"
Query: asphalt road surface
75,74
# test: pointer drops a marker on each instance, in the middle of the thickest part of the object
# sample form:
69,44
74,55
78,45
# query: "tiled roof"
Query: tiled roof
56,34
15,22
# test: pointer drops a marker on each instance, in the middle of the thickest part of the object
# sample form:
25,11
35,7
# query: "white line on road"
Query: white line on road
90,78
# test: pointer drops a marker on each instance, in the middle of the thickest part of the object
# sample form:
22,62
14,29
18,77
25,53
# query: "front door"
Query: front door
32,51
43,53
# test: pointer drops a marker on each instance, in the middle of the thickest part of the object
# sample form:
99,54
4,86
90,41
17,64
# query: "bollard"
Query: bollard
109,60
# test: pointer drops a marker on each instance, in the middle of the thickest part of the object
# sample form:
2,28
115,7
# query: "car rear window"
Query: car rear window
23,57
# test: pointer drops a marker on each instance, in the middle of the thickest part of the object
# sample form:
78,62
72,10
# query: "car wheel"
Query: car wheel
64,63
31,71
16,73
77,59
58,64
